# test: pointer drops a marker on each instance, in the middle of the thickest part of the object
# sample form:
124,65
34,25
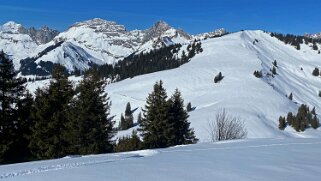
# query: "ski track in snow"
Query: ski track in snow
135,156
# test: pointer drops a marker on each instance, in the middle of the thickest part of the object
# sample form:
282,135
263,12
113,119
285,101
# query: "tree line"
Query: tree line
148,62
297,40
64,119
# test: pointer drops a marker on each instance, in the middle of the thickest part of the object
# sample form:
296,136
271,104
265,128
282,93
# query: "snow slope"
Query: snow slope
252,159
259,102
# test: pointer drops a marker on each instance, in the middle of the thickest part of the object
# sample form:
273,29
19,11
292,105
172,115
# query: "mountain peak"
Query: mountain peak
314,36
11,26
101,25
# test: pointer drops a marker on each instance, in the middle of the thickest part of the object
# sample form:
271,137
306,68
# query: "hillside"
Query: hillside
257,101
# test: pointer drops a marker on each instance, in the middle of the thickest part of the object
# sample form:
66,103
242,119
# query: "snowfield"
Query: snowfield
267,154
259,102
251,159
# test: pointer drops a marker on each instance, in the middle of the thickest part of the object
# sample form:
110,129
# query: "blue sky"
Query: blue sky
287,16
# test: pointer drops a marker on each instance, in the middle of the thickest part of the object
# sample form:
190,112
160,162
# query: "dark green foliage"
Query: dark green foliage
155,122
319,93
15,104
296,40
127,121
291,96
129,116
257,74
89,130
189,107
143,63
275,63
313,111
165,121
139,118
128,143
218,78
50,116
290,118
179,132
274,70
315,122
156,60
303,119
282,123
316,72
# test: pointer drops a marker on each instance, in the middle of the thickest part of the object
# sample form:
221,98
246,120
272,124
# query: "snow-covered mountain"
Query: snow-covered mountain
257,101
20,42
83,44
314,36
215,33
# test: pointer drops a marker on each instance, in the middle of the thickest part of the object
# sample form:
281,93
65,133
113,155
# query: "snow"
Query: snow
267,154
251,159
259,102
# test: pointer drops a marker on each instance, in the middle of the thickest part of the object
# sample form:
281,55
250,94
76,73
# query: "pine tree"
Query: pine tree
275,63
313,111
218,77
129,116
128,143
282,123
155,121
189,107
122,123
289,118
50,116
291,96
90,129
179,131
139,118
315,122
14,113
316,72
274,70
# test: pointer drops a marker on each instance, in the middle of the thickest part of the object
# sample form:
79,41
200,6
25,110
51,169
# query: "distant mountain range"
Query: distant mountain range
86,43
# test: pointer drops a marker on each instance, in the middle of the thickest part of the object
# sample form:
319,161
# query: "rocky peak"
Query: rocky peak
11,27
314,36
101,25
156,30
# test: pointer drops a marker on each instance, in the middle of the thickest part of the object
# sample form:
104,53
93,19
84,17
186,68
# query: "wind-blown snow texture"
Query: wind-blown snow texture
257,159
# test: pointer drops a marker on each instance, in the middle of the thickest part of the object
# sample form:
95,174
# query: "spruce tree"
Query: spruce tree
274,70
316,72
315,122
291,96
14,113
129,116
155,122
122,123
282,123
128,143
189,107
50,115
90,129
179,131
139,118
290,118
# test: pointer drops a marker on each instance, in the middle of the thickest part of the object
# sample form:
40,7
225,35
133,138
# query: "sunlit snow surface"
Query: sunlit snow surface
259,102
252,159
